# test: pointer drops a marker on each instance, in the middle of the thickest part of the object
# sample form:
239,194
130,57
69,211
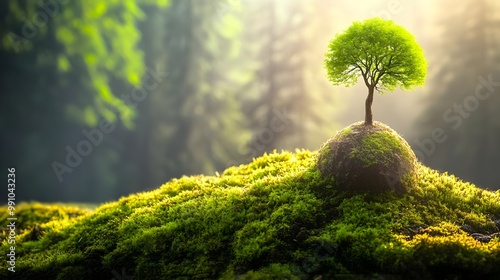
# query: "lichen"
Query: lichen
275,217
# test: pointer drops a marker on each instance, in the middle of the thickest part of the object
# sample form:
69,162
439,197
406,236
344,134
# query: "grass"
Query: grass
275,217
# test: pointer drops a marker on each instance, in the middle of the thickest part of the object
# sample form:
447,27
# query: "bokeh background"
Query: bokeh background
100,99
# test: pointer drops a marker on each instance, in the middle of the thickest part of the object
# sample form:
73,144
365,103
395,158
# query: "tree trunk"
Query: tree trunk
368,107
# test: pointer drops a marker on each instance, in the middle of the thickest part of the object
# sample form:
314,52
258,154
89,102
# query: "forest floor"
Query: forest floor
275,218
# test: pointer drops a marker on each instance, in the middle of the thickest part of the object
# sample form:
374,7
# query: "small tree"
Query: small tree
385,54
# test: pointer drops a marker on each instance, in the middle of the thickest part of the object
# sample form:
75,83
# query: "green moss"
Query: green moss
378,146
273,271
275,217
345,132
34,220
369,159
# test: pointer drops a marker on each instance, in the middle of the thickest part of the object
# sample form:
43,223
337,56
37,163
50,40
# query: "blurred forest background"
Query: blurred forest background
100,99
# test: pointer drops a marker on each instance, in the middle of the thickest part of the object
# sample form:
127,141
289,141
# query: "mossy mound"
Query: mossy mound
269,220
30,217
369,159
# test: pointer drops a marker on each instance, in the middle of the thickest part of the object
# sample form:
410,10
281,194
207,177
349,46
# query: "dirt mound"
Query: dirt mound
371,159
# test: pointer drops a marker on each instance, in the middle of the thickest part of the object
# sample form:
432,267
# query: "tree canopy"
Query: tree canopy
385,54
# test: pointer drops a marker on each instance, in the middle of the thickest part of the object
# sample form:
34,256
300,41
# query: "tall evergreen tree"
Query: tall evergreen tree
199,120
64,65
287,101
460,102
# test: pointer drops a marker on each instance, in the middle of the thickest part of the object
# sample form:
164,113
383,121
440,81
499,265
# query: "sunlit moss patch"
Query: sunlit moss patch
274,218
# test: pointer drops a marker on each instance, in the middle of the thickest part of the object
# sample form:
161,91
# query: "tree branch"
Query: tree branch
349,71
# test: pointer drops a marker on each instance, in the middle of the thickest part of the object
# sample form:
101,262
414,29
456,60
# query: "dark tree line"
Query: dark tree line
125,96
106,99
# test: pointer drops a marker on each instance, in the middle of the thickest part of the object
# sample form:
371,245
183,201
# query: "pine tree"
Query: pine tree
199,120
469,54
287,101
64,66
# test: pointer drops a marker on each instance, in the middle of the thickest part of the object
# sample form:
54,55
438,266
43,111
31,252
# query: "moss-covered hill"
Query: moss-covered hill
275,218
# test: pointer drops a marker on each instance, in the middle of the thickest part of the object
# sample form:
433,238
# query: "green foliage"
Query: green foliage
30,214
36,221
385,54
68,65
105,37
272,271
271,219
95,38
